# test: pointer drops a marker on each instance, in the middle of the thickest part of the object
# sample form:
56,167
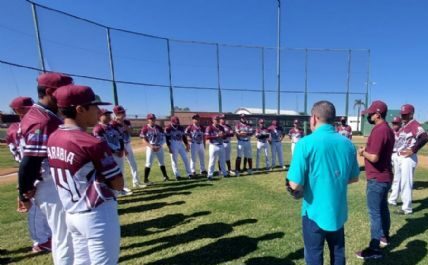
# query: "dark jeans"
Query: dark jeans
314,238
377,203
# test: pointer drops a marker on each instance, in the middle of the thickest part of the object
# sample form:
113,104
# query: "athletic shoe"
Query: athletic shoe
125,192
231,173
177,178
383,242
43,247
190,176
402,212
237,173
210,178
392,203
250,172
166,178
369,253
284,167
139,185
204,173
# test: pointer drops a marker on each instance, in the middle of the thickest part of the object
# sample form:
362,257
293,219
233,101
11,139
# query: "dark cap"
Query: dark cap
274,122
53,80
343,118
74,95
21,102
105,112
407,109
118,109
296,122
376,106
175,120
195,117
222,116
216,117
396,120
261,121
151,116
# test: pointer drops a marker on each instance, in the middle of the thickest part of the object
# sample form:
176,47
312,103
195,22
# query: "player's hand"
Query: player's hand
187,148
406,152
155,148
361,150
30,194
24,207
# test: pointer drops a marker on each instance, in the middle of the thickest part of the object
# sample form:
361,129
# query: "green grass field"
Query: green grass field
241,220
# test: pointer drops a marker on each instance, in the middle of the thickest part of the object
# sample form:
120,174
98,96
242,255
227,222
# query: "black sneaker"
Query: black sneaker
166,178
369,253
204,173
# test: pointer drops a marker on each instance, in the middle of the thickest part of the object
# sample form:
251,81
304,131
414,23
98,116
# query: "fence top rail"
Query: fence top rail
191,41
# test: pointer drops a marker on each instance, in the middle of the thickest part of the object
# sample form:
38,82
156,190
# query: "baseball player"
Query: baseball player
228,134
38,227
112,135
175,137
262,135
276,135
195,134
411,138
215,135
153,137
244,131
295,134
125,127
344,129
87,177
36,128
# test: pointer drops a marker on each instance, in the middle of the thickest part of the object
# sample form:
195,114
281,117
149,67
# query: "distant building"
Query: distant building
255,111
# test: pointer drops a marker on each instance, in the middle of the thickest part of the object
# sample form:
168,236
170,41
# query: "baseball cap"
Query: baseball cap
376,106
105,112
261,121
21,102
343,118
296,121
396,119
216,117
151,116
274,122
175,120
74,95
118,109
53,80
222,116
195,117
407,109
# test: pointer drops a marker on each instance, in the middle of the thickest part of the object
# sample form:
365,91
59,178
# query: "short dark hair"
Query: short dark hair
325,111
41,91
70,112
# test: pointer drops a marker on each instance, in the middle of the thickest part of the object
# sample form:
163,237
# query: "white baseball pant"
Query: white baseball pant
132,163
404,169
48,201
38,225
244,149
216,151
177,148
227,151
197,151
96,235
150,155
120,160
276,149
262,147
292,148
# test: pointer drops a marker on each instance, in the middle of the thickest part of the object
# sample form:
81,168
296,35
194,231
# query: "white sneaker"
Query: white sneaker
232,173
250,172
138,185
125,192
237,173
284,167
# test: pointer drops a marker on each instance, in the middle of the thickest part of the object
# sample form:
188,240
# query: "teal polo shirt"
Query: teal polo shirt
323,163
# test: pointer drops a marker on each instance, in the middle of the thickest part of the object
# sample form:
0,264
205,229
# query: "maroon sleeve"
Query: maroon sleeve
143,132
98,131
36,139
104,163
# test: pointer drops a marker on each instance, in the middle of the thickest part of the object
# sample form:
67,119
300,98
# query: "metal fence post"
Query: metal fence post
263,82
278,57
39,41
113,76
171,91
348,83
306,82
220,107
368,83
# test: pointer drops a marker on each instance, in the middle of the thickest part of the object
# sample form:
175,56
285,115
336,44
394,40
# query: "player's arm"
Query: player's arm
421,140
298,171
355,167
29,172
107,169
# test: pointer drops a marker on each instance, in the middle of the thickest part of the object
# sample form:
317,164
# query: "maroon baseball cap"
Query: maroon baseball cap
261,121
105,112
175,120
151,116
195,117
396,120
216,117
274,122
118,109
74,95
221,116
296,121
407,109
343,118
376,106
21,102
53,80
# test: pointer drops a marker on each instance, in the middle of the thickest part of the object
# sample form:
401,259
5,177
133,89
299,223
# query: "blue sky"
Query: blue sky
395,31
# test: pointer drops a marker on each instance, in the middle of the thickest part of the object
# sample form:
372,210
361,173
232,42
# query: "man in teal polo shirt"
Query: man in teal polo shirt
323,165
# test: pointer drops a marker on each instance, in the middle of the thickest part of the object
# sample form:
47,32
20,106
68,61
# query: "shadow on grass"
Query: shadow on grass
223,250
147,207
160,224
414,252
141,198
179,188
214,230
288,260
420,185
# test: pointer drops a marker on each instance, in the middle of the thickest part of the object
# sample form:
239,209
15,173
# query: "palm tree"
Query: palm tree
358,103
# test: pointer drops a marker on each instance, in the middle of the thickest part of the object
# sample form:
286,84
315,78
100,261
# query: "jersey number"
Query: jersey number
64,179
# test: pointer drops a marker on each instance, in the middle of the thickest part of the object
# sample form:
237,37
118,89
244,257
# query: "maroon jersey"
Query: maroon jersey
407,135
262,134
345,130
80,165
13,140
126,135
212,133
228,132
153,135
244,128
276,133
295,134
110,135
174,132
195,133
36,127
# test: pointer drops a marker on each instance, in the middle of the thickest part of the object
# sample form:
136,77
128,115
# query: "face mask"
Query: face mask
369,119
